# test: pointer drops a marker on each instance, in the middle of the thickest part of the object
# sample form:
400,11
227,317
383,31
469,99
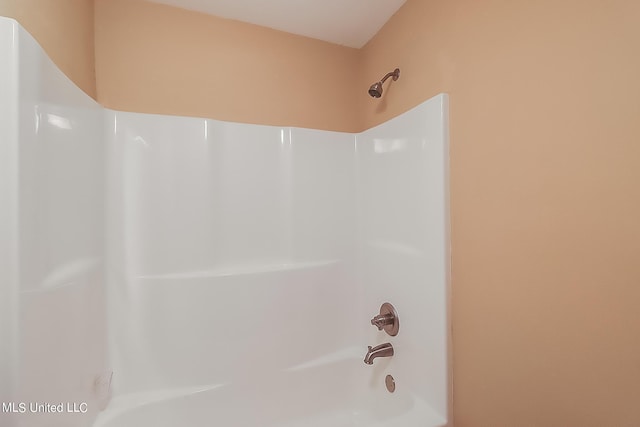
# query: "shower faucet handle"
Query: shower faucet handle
387,320
382,320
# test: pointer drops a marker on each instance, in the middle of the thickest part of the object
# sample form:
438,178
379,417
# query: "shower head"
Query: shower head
375,90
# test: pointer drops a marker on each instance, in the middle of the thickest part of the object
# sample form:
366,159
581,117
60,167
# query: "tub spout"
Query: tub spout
382,350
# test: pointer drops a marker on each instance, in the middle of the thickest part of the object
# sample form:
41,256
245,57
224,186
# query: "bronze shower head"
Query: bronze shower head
376,89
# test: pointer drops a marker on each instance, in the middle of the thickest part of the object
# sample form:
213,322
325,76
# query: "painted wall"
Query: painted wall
64,28
7,7
158,59
545,193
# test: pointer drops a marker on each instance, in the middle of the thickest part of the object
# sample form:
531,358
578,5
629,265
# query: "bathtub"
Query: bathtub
320,393
287,354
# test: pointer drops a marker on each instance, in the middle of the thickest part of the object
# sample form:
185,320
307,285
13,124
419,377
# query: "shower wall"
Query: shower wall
240,250
403,245
236,241
230,252
52,236
8,203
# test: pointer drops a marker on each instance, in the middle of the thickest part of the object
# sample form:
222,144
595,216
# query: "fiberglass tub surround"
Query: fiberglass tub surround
224,272
52,224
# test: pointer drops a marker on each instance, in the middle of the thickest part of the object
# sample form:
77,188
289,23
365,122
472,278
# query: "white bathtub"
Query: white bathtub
319,394
255,346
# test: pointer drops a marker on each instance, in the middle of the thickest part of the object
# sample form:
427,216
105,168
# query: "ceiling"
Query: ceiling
346,22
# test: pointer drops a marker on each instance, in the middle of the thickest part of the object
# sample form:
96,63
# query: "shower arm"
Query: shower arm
395,74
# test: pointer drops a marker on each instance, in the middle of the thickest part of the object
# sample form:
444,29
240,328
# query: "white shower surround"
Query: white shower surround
225,272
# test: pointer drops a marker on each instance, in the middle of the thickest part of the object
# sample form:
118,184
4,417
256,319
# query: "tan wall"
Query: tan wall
160,59
7,7
64,28
545,193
